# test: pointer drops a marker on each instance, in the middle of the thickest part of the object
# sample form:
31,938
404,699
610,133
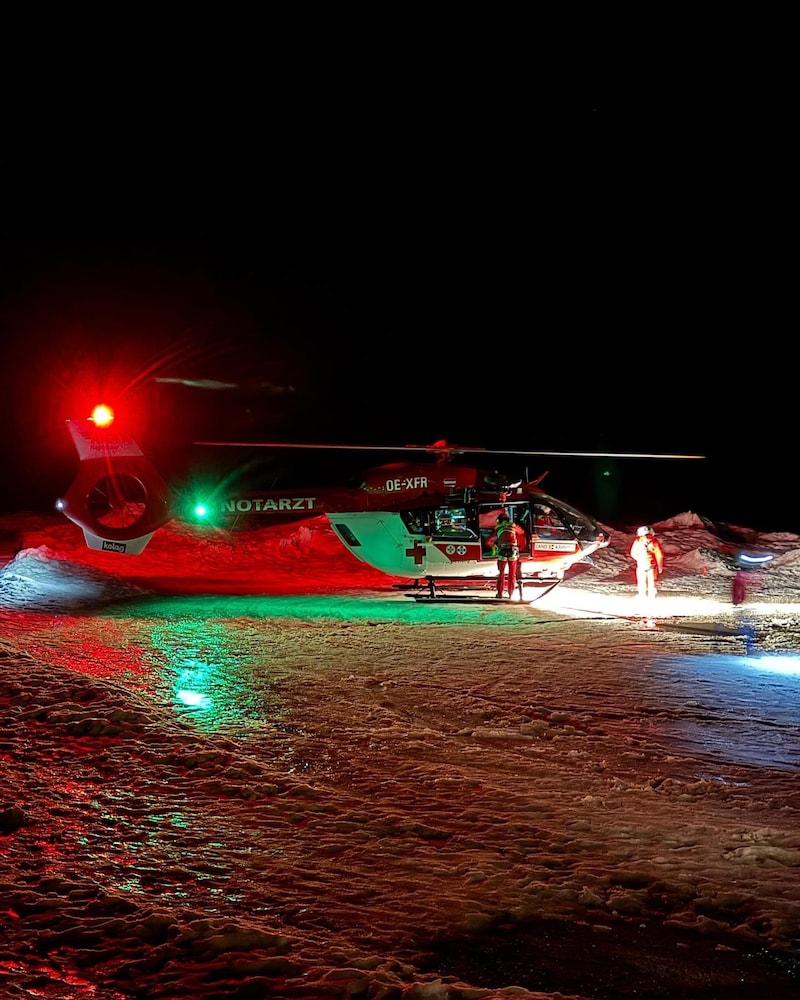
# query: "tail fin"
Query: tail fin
118,498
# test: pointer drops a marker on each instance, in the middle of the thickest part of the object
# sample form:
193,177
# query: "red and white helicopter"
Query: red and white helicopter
413,518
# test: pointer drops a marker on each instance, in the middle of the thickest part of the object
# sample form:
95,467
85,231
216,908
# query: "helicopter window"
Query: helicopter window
451,522
347,535
418,523
546,522
575,524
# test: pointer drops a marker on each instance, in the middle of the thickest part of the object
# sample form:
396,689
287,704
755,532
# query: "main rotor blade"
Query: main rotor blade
271,388
443,449
591,454
333,447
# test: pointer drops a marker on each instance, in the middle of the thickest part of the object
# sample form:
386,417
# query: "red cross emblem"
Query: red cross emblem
417,553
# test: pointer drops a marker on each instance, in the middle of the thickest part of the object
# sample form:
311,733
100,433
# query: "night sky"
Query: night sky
393,258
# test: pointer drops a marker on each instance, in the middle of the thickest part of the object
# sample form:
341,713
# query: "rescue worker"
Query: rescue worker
543,521
647,553
506,540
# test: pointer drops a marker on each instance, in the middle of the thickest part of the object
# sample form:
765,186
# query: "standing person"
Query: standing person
739,586
507,538
647,553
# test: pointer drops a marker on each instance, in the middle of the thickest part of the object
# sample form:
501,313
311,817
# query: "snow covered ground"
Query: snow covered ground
248,766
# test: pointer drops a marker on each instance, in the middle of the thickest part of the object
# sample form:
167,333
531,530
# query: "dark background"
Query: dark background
391,247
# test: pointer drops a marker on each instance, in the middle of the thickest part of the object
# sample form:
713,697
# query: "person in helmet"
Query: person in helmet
543,523
648,555
507,539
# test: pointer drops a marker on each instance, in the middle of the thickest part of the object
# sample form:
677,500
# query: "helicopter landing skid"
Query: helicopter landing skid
461,599
456,595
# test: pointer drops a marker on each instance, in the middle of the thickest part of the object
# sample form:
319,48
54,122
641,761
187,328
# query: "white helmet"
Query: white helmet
644,530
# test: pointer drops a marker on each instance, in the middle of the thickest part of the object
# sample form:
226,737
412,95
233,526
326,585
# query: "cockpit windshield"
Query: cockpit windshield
578,524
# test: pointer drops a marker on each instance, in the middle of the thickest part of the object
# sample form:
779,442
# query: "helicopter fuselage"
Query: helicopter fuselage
455,541
407,519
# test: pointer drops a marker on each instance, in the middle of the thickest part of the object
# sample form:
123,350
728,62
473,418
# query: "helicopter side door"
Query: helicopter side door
488,513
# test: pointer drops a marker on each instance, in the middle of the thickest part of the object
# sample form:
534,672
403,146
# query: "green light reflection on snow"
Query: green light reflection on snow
216,661
323,607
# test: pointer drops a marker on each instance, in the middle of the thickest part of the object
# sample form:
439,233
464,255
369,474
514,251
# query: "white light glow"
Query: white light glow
193,699
586,603
778,663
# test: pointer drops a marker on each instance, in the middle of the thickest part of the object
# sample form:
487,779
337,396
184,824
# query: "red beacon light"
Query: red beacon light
102,415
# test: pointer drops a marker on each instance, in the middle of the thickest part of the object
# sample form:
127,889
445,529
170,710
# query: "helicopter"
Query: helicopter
415,518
